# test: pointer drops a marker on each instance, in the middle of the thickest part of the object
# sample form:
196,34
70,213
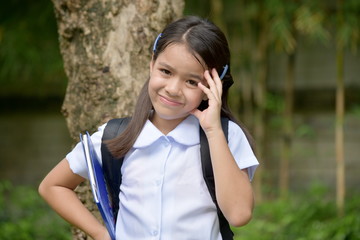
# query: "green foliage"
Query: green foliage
301,217
25,216
310,22
281,24
274,103
199,7
30,61
348,25
355,110
305,130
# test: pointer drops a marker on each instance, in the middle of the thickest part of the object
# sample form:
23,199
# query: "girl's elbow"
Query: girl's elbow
240,218
42,189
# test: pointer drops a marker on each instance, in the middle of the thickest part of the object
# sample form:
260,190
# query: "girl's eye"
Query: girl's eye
165,71
192,83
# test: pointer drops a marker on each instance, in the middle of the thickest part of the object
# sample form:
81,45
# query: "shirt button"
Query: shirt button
158,182
154,233
166,144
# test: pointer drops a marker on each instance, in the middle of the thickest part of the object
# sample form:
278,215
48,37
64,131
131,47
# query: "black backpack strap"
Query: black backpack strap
111,166
208,173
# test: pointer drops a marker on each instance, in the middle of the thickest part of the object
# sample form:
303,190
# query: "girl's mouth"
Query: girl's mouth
169,101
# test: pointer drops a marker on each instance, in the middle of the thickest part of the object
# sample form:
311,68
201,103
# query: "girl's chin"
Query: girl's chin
169,117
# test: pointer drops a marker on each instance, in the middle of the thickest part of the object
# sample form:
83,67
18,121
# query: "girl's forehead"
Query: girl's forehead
183,52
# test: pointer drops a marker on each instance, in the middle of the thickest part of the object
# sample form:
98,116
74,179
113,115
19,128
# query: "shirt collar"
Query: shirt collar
186,133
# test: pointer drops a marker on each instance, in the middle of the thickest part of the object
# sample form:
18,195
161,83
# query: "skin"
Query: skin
173,86
178,83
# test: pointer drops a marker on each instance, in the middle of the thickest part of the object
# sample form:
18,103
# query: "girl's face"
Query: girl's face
173,83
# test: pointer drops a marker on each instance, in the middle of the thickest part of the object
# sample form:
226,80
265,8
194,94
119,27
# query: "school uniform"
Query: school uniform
163,193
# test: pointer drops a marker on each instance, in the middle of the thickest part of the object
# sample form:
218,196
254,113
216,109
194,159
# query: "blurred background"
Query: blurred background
296,66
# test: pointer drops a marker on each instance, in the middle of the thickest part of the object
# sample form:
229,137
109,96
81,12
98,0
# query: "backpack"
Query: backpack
112,168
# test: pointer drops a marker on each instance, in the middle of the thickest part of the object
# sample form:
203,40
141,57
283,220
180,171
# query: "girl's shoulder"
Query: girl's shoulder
235,130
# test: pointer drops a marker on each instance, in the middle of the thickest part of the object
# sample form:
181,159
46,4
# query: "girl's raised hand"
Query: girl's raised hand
210,118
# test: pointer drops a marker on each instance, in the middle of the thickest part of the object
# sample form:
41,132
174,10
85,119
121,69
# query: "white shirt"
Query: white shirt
163,194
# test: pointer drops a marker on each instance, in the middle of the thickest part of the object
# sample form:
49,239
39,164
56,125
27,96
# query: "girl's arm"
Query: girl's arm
57,189
233,189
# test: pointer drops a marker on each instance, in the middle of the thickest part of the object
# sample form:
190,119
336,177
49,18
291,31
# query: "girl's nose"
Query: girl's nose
173,87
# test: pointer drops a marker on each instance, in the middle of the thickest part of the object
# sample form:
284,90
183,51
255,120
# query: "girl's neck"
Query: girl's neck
165,125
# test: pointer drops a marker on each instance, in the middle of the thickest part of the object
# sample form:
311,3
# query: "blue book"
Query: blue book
98,185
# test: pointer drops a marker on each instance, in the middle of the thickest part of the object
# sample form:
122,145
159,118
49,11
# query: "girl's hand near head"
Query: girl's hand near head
210,118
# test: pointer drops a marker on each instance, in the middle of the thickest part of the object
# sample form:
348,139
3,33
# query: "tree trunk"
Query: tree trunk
339,134
246,45
287,127
340,110
106,49
339,123
260,98
216,7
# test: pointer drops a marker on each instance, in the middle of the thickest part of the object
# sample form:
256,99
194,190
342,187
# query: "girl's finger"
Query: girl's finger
217,80
206,90
212,85
209,79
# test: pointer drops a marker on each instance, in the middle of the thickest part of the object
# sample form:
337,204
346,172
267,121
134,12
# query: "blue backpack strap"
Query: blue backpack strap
112,166
208,174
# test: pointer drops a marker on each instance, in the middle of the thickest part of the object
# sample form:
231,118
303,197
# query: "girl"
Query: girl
163,194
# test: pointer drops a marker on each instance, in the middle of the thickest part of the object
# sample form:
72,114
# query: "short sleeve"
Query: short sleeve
76,157
241,149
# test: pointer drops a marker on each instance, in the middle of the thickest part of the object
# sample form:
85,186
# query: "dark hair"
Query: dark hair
203,39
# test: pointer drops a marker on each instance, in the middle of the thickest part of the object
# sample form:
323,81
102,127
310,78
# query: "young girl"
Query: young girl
163,194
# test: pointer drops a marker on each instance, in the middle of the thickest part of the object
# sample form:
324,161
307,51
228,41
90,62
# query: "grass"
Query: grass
307,216
25,216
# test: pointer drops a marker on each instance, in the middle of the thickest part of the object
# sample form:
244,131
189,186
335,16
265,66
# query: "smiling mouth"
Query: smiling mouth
169,101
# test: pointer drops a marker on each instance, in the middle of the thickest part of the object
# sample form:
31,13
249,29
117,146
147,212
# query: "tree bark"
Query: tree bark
260,92
339,133
339,117
106,49
242,44
217,8
287,138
